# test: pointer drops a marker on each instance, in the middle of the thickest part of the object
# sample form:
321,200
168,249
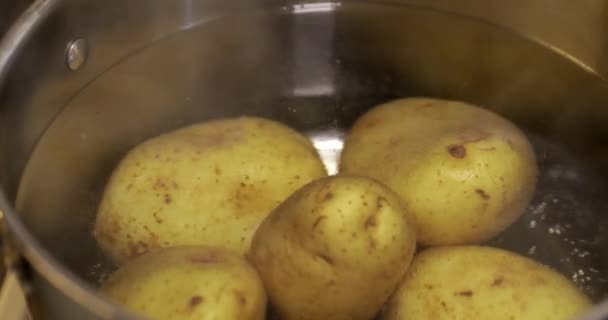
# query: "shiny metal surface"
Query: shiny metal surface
12,44
18,35
157,65
576,29
8,11
76,54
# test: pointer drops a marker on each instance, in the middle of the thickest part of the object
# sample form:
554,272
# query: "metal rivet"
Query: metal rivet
77,53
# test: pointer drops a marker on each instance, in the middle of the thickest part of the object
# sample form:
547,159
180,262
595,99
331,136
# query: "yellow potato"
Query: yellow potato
189,283
208,184
474,282
464,172
336,249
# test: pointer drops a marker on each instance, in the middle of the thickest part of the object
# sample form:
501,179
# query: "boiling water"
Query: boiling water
319,82
559,227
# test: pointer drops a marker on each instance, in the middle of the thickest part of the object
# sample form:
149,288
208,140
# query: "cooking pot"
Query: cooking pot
82,82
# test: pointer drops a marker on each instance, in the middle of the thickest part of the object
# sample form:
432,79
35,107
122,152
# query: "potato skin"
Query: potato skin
334,250
465,173
189,283
475,282
209,184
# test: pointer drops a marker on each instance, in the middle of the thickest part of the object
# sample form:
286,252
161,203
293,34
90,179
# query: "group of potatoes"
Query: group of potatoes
215,220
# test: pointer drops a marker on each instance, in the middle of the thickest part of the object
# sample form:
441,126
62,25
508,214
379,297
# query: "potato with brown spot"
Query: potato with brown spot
183,283
475,282
335,257
228,174
465,173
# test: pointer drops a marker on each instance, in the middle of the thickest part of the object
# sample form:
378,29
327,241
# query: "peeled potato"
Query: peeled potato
208,184
189,283
472,282
464,172
335,249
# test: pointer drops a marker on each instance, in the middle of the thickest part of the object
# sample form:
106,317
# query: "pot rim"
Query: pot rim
43,261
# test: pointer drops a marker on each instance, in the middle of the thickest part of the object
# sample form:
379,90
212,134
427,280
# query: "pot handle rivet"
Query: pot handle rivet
76,54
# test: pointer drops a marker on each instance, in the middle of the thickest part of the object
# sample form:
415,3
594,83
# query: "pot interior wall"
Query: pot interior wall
317,68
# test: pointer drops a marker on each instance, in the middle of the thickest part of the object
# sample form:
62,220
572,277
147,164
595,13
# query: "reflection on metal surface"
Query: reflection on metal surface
21,31
314,7
329,144
13,304
576,28
76,54
313,41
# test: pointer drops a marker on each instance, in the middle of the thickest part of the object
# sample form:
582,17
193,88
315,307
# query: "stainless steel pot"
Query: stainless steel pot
85,81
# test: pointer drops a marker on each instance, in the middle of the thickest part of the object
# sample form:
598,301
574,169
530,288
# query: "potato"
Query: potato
475,282
208,184
465,173
189,283
335,249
